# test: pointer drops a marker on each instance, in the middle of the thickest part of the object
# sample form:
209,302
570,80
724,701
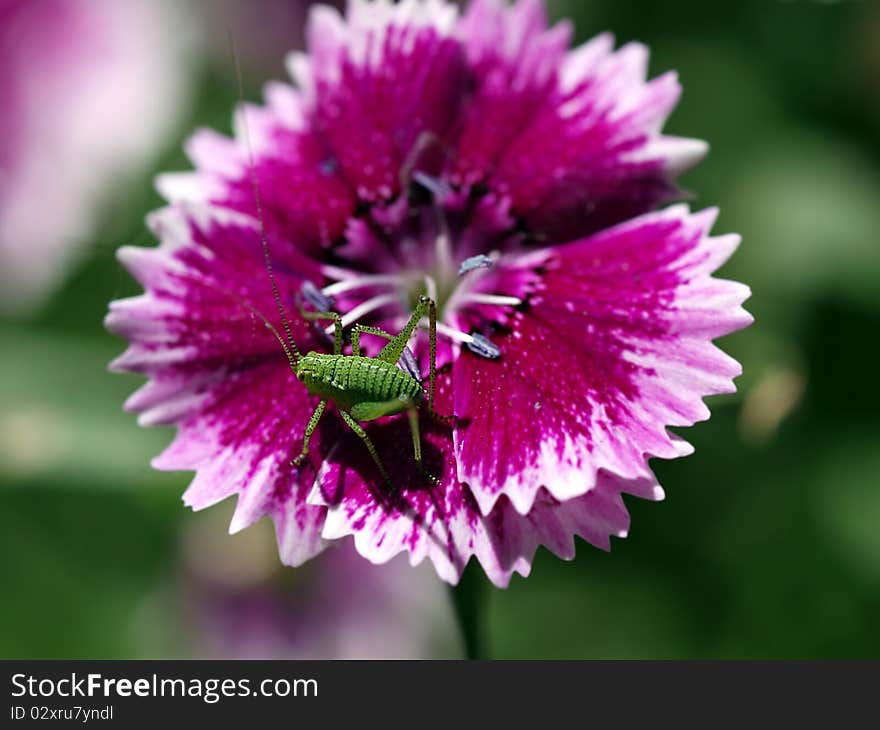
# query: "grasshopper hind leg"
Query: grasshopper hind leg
432,373
337,325
413,414
356,427
371,411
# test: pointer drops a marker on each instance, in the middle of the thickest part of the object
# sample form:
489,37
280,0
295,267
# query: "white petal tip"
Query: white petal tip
680,153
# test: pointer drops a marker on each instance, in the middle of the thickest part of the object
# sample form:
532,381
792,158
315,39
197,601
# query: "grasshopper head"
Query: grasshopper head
307,365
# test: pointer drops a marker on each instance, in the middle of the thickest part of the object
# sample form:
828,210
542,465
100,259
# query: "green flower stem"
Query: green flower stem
470,600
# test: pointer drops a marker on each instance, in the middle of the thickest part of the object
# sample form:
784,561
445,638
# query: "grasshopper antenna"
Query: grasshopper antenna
293,354
256,313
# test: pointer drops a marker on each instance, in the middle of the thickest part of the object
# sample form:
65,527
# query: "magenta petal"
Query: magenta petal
206,290
591,156
240,442
303,198
449,528
444,523
508,540
571,136
615,347
218,373
514,61
437,522
383,82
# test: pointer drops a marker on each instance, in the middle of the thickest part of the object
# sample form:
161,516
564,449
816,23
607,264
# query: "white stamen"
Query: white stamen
359,282
431,287
366,307
478,298
443,244
454,334
337,272
476,343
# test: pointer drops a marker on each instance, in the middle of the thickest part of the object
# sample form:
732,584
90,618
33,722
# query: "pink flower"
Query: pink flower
88,90
480,160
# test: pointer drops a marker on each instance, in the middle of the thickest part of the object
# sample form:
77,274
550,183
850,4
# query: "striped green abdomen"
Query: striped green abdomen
347,380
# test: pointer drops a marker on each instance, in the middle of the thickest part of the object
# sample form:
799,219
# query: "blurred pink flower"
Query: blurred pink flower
262,31
239,603
89,89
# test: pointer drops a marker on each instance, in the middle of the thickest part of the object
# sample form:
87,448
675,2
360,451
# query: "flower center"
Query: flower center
434,240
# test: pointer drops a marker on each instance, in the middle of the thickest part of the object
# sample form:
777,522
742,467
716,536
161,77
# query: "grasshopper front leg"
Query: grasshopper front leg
337,325
310,429
365,329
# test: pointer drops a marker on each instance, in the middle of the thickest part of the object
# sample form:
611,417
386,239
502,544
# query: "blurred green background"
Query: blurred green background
768,544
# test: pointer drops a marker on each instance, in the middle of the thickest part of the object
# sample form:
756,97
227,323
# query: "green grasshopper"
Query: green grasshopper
366,388
362,388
